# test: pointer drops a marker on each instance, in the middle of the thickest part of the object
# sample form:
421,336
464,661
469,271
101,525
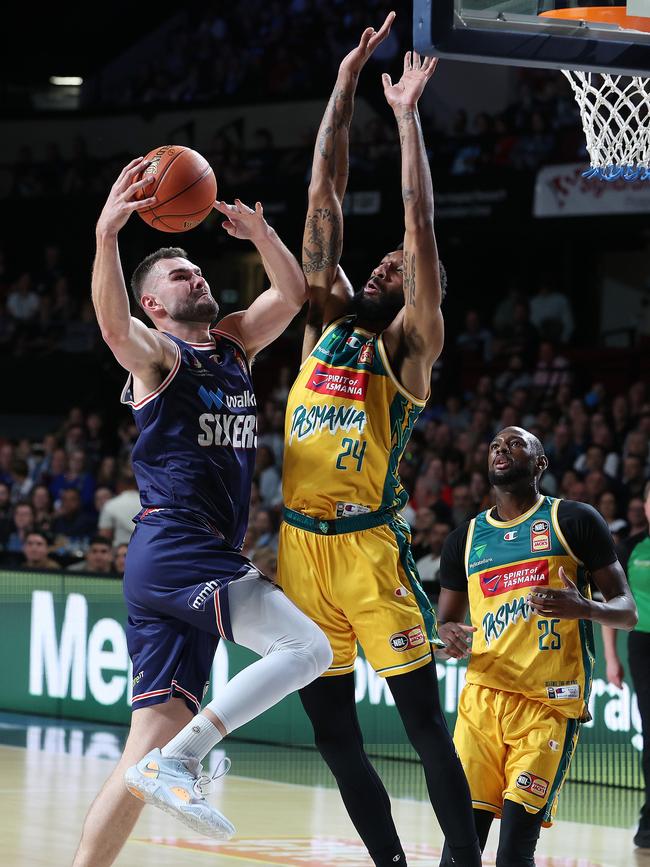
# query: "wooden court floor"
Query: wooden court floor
49,776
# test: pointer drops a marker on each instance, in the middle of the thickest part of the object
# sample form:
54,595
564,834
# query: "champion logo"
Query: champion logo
401,591
510,536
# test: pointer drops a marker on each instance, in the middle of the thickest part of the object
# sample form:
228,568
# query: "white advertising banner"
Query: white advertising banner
561,191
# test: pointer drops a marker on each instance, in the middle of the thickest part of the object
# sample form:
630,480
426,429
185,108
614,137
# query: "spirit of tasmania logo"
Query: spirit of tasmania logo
337,382
503,580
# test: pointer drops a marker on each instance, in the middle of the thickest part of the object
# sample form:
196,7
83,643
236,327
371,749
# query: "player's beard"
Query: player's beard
202,309
376,309
515,474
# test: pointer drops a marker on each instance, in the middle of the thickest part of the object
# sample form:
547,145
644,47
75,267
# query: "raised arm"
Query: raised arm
329,289
270,313
141,350
416,338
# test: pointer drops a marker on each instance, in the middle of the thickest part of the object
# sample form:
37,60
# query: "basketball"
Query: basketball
185,188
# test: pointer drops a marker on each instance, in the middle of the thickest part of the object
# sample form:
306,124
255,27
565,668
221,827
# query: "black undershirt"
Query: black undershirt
583,527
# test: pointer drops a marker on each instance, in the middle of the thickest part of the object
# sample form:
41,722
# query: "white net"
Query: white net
615,111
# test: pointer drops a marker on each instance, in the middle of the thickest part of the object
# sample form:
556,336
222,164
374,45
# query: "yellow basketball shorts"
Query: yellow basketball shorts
513,748
357,586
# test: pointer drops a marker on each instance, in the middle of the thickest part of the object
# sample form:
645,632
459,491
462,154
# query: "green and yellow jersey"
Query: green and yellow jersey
497,563
348,421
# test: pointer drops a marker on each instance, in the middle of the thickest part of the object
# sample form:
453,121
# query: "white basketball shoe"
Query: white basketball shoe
178,787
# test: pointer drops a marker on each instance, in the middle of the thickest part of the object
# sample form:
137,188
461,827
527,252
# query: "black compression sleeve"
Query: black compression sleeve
587,534
452,560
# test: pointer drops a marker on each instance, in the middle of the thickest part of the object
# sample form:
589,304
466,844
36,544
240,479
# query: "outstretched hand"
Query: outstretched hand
407,91
243,222
354,62
121,201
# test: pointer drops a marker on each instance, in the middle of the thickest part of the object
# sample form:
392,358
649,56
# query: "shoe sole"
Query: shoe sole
152,792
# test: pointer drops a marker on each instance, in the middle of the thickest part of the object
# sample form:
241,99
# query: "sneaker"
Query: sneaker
170,784
642,836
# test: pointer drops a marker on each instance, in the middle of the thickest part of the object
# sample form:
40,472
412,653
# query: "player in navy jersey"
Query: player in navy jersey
186,582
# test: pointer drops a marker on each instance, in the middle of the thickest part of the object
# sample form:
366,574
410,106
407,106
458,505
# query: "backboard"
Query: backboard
519,33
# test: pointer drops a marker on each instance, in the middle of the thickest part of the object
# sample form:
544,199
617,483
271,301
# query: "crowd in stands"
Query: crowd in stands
67,499
517,140
222,56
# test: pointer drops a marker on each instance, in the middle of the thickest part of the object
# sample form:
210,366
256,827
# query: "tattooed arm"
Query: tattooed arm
414,340
329,289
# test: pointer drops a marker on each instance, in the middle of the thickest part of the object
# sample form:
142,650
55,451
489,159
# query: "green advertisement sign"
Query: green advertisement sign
63,644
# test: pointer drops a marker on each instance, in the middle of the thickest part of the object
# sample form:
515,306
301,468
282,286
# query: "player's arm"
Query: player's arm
141,350
613,665
590,540
271,312
453,603
329,290
415,339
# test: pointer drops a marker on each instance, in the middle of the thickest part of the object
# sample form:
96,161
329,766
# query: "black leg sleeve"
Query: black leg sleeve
330,705
483,821
518,836
416,698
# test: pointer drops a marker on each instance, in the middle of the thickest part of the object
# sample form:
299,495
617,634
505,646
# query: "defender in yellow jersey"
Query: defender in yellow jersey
523,569
344,556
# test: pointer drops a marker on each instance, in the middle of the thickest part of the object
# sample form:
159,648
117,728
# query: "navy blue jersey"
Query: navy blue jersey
197,436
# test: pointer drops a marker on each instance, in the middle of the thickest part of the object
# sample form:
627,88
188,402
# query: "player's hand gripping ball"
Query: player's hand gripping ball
184,186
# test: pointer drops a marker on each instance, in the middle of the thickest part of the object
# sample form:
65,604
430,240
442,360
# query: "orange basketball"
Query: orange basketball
185,189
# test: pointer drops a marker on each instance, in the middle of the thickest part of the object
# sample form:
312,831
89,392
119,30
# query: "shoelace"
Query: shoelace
204,784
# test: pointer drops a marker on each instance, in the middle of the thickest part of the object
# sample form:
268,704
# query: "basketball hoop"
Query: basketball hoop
615,109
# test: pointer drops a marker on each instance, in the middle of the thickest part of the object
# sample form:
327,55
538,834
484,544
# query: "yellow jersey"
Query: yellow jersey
348,421
513,649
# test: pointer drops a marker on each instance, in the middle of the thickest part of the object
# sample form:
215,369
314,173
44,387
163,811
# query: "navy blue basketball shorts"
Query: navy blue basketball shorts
176,588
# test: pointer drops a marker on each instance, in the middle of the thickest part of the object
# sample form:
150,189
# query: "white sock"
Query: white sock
194,741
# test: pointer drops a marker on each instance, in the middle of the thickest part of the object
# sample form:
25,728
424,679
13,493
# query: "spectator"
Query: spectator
22,524
23,303
608,508
636,517
99,558
21,483
550,312
594,459
102,495
36,550
551,372
71,526
462,507
75,476
5,501
119,559
428,565
633,477
268,478
107,472
424,520
6,461
266,560
42,505
475,340
265,525
116,517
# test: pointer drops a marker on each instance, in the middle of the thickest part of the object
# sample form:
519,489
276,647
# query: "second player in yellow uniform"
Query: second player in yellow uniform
523,568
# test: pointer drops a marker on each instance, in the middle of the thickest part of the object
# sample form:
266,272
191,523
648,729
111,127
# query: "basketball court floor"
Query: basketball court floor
280,799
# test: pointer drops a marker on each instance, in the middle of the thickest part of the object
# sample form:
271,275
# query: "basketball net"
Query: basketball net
615,112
